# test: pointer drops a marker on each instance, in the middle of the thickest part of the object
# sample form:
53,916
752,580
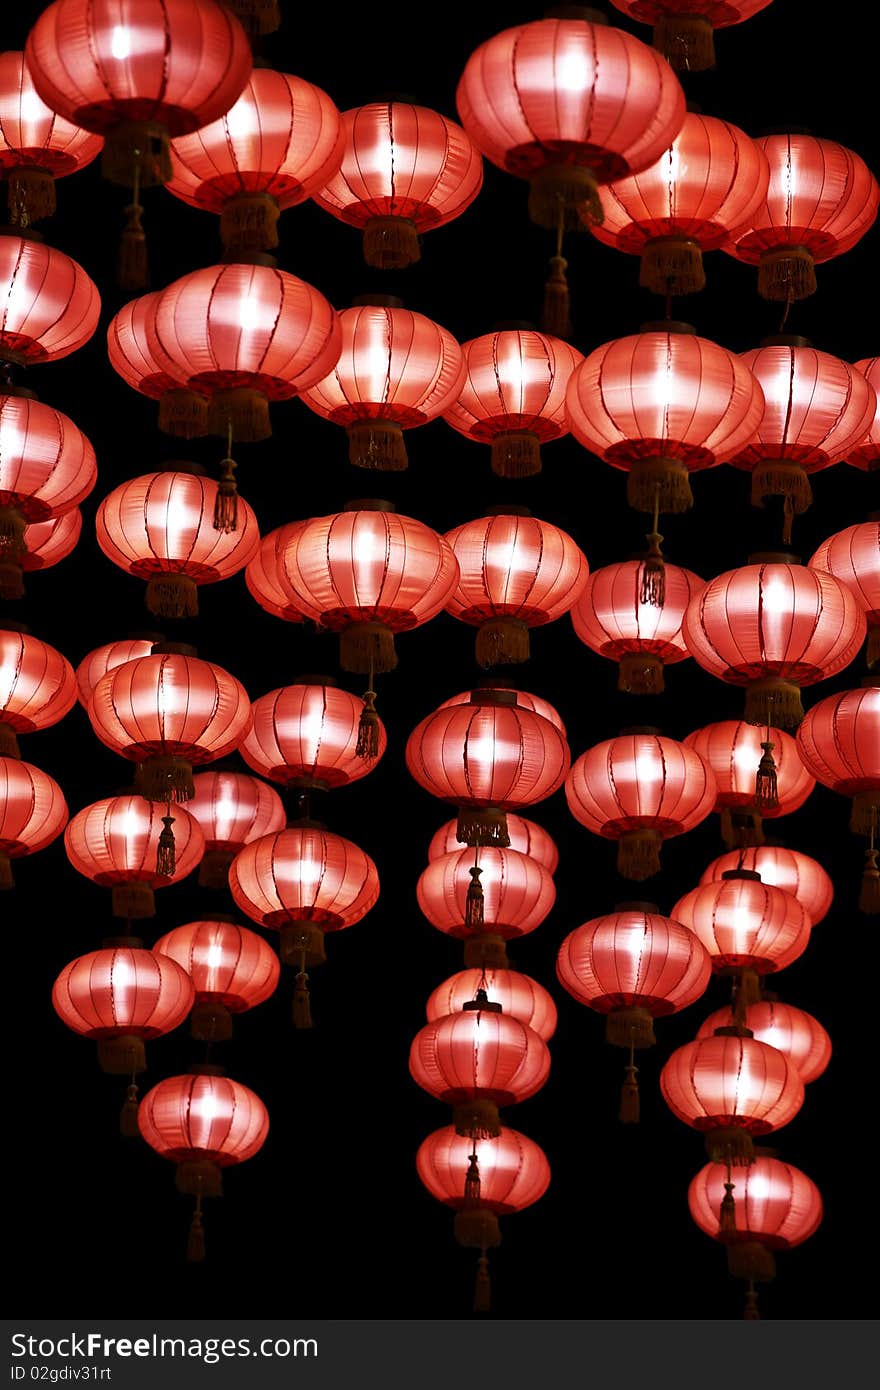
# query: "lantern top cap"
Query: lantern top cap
792,340
198,470
749,874
773,557
173,649
586,13
868,681
641,729
206,1069
493,697
9,388
305,823
12,625
110,943
637,905
508,509
667,326
369,504
513,326
377,301
314,680
733,1030
481,1003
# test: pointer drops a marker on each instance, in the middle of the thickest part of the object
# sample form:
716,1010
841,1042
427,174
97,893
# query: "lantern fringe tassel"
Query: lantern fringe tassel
516,454
183,413
686,41
727,1214
782,698
377,444
556,310
630,1027
166,852
502,642
473,907
869,897
672,265
748,1259
872,656
141,145
210,1021
865,814
785,274
172,596
11,580
741,829
482,827
214,868
670,476
766,783
132,264
638,854
367,649
558,193
640,673
195,1244
391,243
628,1112
249,225
243,410
476,1228
730,1144
7,882
12,526
477,1119
133,901
782,478
257,16
301,1012
485,951
31,196
165,779
482,1287
652,580
368,729
128,1116
8,742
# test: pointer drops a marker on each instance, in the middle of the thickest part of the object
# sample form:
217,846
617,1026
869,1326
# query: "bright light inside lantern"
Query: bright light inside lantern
249,317
572,72
775,597
214,956
241,119
120,42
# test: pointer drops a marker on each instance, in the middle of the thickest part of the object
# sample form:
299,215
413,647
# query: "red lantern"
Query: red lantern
758,774
867,453
853,556
232,969
816,408
405,170
791,1031
169,67
136,355
659,405
161,527
515,573
745,924
519,996
568,105
367,573
517,893
489,756
710,180
839,742
788,869
513,396
115,843
525,837
121,997
36,146
244,335
640,789
47,543
33,813
47,466
232,808
615,619
50,306
535,703
396,370
273,149
37,687
821,200
261,575
167,712
107,658
684,29
307,735
773,627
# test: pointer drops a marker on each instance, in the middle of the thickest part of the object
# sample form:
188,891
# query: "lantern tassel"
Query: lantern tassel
640,673
483,1286
629,1094
556,311
377,444
472,1184
727,1215
172,596
687,41
165,779
128,1118
302,1008
502,642
869,897
166,853
249,224
473,909
6,880
226,501
257,16
781,696
482,827
132,268
391,243
245,410
672,265
183,413
766,788
787,273
863,817
516,454
669,475
751,1313
368,728
195,1245
11,580
367,648
638,854
652,581
31,196
12,525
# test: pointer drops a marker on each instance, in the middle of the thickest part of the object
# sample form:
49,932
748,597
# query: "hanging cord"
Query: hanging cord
629,1093
226,501
195,1245
784,320
132,269
653,582
556,314
368,725
128,1118
766,786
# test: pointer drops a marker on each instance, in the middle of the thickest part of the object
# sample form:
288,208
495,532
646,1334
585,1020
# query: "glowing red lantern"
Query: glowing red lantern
489,756
788,869
36,146
821,200
662,404
515,573
758,774
523,698
615,619
640,789
366,573
136,355
774,626
517,893
232,969
272,149
684,29
45,543
513,396
853,556
37,687
745,925
710,180
307,735
525,837
519,996
244,335
159,68
405,170
232,808
107,658
867,453
568,105
791,1031
33,813
839,742
50,306
261,575
121,997
47,466
162,527
115,843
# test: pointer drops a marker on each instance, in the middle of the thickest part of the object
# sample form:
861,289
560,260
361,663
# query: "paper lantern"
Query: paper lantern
107,658
799,1036
684,29
121,997
853,556
525,837
745,925
307,735
37,687
115,843
261,575
517,893
136,355
231,968
33,813
866,454
519,995
232,808
839,743
50,306
758,773
784,868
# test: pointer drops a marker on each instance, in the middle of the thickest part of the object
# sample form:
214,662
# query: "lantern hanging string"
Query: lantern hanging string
629,1093
556,315
195,1246
128,1118
132,271
302,1011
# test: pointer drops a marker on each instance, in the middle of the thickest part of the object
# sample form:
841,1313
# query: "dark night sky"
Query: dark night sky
330,1219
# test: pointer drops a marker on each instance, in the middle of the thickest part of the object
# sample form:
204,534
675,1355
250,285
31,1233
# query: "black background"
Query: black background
330,1219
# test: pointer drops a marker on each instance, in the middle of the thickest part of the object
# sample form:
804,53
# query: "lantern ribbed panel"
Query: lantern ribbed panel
519,996
720,13
525,837
394,365
48,542
640,781
775,1203
631,958
282,137
515,567
135,353
306,875
249,326
405,161
115,841
32,136
123,990
367,566
514,1171
49,307
107,658
743,923
839,741
171,706
184,64
821,196
187,1118
309,732
731,1081
816,407
514,380
234,808
774,620
479,1056
610,618
226,963
868,451
33,811
47,466
261,575
487,755
710,179
562,91
518,893
37,684
791,1031
163,523
732,748
525,701
660,394
789,869
853,557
